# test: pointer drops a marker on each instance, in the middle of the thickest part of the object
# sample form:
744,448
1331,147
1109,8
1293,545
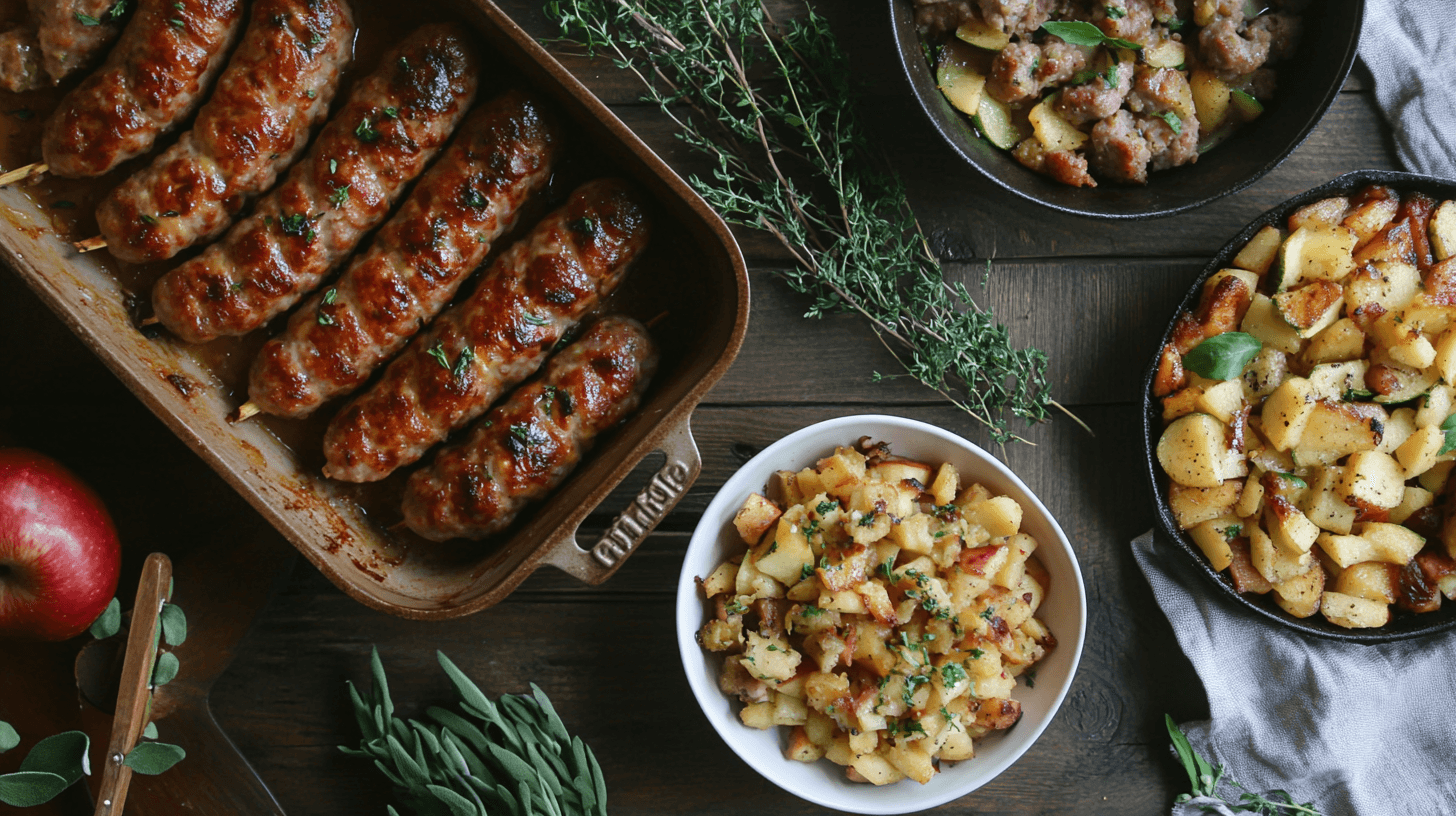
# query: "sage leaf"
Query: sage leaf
381,684
8,737
554,724
152,758
150,732
1086,34
458,805
174,624
30,788
1174,121
1183,750
63,755
469,692
413,774
362,714
1223,356
1448,427
1293,479
109,623
166,670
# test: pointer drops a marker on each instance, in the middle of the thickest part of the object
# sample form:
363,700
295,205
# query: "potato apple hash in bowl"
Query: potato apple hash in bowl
1089,90
870,609
1301,417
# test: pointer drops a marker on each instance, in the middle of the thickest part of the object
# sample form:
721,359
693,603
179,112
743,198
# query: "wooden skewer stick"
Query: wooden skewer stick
23,172
244,412
90,244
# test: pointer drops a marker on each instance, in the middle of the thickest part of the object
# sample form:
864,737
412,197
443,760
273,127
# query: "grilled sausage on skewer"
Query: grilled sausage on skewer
528,446
63,36
275,89
153,79
531,295
503,155
395,120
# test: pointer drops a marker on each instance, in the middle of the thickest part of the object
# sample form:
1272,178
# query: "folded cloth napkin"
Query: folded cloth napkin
1408,47
1367,730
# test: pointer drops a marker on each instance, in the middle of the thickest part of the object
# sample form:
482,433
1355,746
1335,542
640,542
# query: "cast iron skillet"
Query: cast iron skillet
1308,83
1401,627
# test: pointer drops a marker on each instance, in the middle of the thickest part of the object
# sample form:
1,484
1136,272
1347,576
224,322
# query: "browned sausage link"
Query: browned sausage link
503,155
528,445
276,88
153,79
72,33
532,295
379,141
61,37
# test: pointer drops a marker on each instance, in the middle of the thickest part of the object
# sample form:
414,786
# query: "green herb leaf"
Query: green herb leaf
1085,34
87,20
298,225
438,352
30,788
8,737
152,758
109,622
117,10
1223,356
1114,12
392,113
150,732
166,669
174,625
1448,427
473,198
1294,480
534,320
1174,121
467,355
365,131
340,196
63,755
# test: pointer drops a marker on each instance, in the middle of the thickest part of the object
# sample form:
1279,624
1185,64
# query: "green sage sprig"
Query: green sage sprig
58,762
1205,779
513,756
770,105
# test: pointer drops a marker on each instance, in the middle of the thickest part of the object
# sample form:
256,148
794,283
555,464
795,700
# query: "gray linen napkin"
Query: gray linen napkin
1408,47
1367,730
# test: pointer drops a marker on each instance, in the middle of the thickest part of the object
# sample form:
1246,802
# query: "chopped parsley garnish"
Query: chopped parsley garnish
87,20
1175,24
392,112
311,93
1174,121
522,433
297,225
365,131
237,286
314,38
584,226
867,520
117,10
340,196
988,612
805,571
887,569
1232,531
1114,12
404,64
533,319
951,674
810,529
148,219
473,198
735,607
977,654
176,23
811,612
328,300
824,507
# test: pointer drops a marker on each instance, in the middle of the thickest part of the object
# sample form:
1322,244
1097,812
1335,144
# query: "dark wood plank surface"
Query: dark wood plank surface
1093,296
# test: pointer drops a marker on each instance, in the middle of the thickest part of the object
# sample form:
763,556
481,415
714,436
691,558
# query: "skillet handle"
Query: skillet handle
627,532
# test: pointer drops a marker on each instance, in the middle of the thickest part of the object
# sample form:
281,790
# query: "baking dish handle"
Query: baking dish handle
627,532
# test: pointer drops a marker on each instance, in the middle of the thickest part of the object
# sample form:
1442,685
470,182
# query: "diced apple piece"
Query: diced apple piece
1419,452
783,557
1288,528
1323,506
913,534
1336,381
1261,250
1394,383
1300,596
1343,340
946,484
1353,613
721,580
1392,543
1415,499
1443,230
958,78
1192,450
1371,580
981,34
1210,99
1286,413
1181,402
1251,501
755,517
1316,253
1222,401
1414,352
1369,218
1325,213
1054,132
1263,321
1372,478
1275,563
1193,505
1167,54
1389,284
1341,428
1000,515
897,471
1398,428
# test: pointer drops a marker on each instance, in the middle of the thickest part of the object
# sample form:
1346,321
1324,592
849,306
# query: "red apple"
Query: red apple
59,555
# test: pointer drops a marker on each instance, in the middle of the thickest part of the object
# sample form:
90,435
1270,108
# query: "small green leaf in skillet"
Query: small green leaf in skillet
1223,356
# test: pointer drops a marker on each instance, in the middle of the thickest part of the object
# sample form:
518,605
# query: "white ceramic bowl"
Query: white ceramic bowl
1064,610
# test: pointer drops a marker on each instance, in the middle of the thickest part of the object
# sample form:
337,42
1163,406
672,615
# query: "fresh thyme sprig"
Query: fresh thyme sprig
484,759
1205,780
769,105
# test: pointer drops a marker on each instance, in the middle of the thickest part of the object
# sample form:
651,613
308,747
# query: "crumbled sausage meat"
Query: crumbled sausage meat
1118,150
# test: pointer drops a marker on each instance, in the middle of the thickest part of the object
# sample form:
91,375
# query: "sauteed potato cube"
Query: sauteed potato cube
1371,580
755,517
1443,230
1300,596
1260,252
1353,613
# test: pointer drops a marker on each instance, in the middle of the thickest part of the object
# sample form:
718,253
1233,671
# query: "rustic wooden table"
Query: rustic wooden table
1094,296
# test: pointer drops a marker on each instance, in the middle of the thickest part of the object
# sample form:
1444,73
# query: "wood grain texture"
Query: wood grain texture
1094,296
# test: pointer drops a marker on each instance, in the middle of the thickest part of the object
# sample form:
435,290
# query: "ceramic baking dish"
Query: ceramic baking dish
691,284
